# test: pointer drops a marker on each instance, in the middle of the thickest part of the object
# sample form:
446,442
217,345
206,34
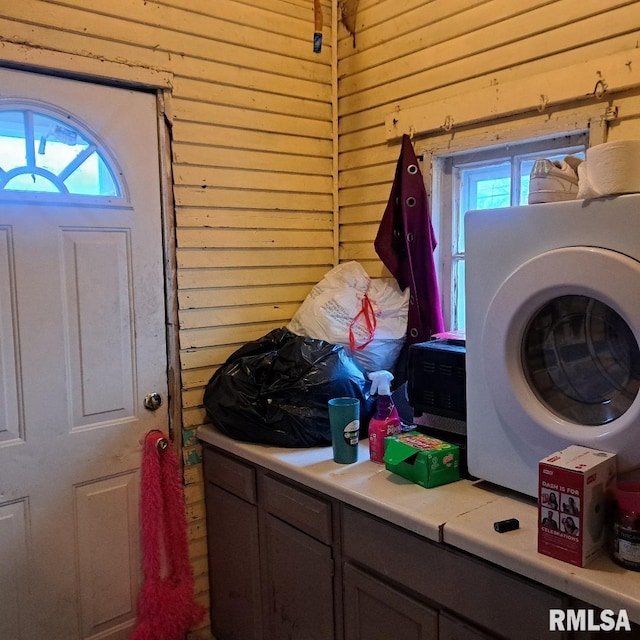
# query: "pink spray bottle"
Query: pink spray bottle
386,421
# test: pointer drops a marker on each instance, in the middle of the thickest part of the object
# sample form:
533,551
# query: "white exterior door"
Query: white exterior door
82,341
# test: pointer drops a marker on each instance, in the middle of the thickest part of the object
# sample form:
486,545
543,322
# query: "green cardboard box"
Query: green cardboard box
422,459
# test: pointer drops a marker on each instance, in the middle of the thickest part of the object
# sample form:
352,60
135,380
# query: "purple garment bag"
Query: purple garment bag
405,243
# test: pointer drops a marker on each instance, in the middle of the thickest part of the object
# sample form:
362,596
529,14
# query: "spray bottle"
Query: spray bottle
386,421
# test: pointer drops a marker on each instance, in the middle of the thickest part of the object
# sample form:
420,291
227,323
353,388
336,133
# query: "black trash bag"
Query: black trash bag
275,390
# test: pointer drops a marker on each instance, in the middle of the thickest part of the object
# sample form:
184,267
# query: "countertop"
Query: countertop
460,514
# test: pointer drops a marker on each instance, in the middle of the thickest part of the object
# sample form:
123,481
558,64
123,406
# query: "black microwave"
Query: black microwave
436,381
436,391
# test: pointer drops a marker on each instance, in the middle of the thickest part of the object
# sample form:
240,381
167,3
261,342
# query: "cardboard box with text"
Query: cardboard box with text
572,489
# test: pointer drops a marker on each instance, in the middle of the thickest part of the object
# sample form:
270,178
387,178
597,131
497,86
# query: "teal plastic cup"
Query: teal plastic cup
344,419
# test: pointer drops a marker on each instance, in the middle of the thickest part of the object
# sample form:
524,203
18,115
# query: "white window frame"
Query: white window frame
31,108
499,136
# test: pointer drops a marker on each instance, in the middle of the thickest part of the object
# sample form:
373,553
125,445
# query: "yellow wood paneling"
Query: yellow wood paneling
192,419
196,379
357,129
506,36
237,296
259,219
246,97
190,258
252,238
245,197
252,120
216,136
547,92
421,53
203,278
200,154
280,313
248,178
185,28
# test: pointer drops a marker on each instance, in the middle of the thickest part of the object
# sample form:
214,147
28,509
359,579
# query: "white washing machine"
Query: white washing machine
552,334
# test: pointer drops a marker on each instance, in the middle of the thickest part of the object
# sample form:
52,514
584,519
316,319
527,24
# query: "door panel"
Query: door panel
97,284
107,551
82,340
13,569
10,418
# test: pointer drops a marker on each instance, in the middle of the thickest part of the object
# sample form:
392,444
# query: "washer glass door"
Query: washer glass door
560,354
581,360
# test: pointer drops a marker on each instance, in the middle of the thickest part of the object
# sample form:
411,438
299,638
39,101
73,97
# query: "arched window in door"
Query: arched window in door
44,151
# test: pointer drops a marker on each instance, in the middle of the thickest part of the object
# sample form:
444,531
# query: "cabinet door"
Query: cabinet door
299,573
377,611
234,566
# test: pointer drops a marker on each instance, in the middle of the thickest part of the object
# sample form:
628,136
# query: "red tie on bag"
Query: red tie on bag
366,310
166,606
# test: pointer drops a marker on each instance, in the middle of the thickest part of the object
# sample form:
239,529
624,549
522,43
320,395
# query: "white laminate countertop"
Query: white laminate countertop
460,514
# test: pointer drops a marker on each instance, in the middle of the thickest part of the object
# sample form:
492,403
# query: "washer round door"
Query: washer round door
561,334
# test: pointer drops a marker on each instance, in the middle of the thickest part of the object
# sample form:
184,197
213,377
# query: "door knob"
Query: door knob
152,401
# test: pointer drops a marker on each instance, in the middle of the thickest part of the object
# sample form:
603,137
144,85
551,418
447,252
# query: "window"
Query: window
485,178
46,152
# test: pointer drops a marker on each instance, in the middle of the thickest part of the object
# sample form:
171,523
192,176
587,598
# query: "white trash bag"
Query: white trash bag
368,317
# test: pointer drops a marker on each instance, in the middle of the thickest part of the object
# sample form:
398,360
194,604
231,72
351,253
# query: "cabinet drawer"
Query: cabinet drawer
300,509
474,590
230,474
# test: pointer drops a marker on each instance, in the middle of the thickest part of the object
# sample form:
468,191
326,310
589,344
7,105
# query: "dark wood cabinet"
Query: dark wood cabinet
287,562
234,566
233,541
272,570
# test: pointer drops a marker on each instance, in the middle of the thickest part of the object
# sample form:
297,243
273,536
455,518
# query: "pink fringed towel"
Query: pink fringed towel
166,606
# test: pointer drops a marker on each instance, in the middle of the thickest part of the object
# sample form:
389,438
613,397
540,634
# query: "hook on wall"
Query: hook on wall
600,89
544,101
448,124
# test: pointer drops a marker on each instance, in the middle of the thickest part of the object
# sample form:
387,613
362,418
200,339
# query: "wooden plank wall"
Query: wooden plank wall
412,53
253,168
